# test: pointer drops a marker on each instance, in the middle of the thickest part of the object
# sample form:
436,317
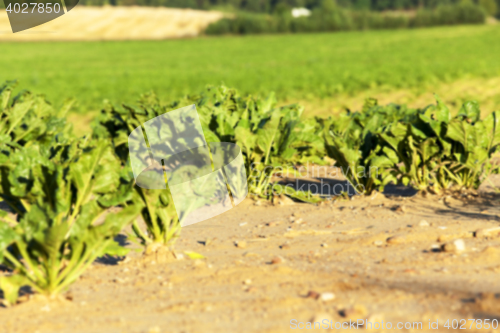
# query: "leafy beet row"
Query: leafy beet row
66,198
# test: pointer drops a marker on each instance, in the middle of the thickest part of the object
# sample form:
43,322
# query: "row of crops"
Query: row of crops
66,198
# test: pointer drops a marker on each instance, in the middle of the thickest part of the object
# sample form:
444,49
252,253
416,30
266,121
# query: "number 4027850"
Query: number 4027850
25,8
463,324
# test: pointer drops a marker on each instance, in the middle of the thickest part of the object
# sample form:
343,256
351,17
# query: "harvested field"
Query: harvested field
115,23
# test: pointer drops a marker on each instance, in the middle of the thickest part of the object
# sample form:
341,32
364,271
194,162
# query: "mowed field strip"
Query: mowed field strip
115,23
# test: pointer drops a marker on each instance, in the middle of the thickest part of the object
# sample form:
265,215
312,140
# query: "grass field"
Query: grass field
296,67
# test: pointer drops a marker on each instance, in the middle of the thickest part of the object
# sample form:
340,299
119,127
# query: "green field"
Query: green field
294,66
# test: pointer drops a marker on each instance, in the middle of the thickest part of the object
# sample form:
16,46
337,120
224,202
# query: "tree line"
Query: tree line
277,6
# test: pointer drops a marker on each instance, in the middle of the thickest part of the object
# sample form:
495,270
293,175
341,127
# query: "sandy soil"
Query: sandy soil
115,23
378,257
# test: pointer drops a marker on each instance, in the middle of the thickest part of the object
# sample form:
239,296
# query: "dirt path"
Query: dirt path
115,23
378,256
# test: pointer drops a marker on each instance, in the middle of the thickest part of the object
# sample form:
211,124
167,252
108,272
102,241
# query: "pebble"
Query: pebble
447,238
423,223
124,261
378,243
435,247
251,290
247,281
284,246
298,221
374,317
326,297
400,209
485,232
277,260
320,317
396,240
240,244
243,223
358,311
457,245
283,200
313,294
272,224
324,245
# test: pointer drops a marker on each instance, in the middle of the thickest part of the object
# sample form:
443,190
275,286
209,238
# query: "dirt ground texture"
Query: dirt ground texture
115,23
389,257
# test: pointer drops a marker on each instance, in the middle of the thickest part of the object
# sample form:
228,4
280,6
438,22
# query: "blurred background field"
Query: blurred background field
118,51
321,69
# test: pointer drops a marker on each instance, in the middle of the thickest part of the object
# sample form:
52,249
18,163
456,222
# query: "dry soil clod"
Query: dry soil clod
240,244
396,239
456,246
277,260
486,232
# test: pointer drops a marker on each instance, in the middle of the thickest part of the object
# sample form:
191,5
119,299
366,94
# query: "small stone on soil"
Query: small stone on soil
313,294
485,232
277,260
319,317
240,244
457,245
423,223
326,297
285,246
396,240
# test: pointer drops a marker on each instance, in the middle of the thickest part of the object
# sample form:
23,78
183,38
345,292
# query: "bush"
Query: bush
490,6
339,19
464,13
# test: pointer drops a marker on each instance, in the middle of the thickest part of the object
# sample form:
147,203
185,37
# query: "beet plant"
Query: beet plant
158,211
428,149
27,118
273,139
61,198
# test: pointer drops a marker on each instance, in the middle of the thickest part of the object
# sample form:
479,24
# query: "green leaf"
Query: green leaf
115,249
267,135
7,237
194,255
470,110
10,286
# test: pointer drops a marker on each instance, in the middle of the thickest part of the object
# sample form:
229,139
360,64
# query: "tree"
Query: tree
490,6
